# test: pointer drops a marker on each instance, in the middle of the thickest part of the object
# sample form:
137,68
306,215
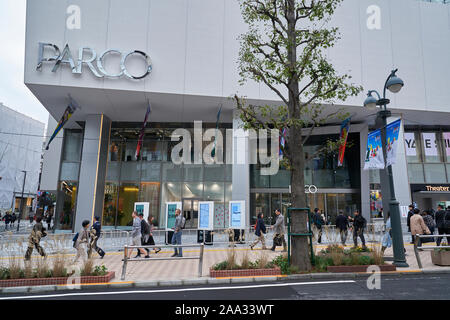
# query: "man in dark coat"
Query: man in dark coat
342,226
408,220
37,233
442,223
94,236
359,223
260,230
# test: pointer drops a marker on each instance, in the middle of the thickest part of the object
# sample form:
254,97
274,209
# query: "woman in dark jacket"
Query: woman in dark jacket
260,230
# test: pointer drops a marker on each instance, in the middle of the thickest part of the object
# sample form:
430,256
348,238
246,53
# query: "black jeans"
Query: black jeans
358,233
443,231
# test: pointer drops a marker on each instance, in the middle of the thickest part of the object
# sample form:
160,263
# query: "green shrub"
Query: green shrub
100,270
4,273
364,260
221,266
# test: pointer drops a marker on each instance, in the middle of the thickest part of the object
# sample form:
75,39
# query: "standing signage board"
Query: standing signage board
206,215
237,214
171,207
142,207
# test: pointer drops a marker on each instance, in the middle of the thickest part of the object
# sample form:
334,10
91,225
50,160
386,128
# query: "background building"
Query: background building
20,150
193,47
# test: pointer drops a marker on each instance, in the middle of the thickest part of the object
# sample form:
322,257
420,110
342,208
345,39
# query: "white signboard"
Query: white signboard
404,211
410,143
237,214
142,207
429,143
171,207
206,215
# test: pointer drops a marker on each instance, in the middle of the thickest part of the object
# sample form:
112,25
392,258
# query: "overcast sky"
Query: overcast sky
13,93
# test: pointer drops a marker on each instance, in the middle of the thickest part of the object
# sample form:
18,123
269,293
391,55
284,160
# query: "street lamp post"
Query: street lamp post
21,200
393,84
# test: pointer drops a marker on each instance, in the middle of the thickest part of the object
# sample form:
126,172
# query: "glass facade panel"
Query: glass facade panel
150,171
435,173
171,172
412,147
66,205
430,147
193,172
128,195
73,141
193,190
110,204
70,171
214,173
260,203
415,173
149,192
446,144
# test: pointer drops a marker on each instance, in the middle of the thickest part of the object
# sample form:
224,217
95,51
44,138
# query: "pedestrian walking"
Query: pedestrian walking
13,219
408,220
430,223
82,242
418,226
37,233
359,224
260,231
31,217
136,234
95,233
152,222
342,226
145,234
176,238
387,237
318,222
443,223
7,219
49,220
278,238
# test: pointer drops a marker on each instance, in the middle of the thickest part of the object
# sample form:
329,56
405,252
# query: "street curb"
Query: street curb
7,290
35,289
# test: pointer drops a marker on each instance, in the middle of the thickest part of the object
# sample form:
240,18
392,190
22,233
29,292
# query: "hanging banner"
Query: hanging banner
206,215
374,151
141,133
429,143
410,142
447,144
345,127
65,117
392,131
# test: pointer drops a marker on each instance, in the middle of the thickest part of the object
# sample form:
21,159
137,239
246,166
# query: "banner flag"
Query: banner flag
213,151
65,117
141,134
392,131
282,142
374,151
345,128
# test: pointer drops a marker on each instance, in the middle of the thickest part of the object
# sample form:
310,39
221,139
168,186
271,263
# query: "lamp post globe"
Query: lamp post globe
370,102
394,84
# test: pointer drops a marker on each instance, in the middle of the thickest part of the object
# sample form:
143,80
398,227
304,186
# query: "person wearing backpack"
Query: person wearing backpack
443,223
34,240
359,224
94,236
176,238
82,241
318,223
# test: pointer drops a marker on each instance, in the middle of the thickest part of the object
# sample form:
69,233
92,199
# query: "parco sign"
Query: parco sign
66,57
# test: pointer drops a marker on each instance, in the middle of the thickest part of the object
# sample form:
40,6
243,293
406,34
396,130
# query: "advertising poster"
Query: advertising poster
410,143
237,214
345,127
447,145
206,215
392,131
374,152
170,214
142,207
429,143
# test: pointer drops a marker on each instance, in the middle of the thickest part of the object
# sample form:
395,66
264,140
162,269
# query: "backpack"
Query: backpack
183,222
145,227
75,238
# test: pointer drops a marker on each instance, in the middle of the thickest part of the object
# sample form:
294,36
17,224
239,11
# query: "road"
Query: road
433,287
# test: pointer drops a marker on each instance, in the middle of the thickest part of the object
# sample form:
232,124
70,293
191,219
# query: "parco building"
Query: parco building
113,57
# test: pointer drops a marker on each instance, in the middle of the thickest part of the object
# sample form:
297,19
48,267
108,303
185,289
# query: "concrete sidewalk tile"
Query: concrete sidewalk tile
242,280
121,284
143,284
165,283
194,282
7,290
219,281
43,288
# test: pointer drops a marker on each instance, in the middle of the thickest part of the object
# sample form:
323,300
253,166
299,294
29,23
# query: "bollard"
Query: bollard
125,259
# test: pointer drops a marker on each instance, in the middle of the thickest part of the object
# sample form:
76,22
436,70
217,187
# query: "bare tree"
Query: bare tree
284,49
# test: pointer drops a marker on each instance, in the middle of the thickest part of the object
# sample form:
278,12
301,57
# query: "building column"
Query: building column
241,165
365,182
91,186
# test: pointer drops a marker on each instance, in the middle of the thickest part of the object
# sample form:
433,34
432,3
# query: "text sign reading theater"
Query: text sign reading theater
88,56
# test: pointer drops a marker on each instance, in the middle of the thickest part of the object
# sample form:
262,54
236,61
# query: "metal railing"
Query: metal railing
199,257
417,238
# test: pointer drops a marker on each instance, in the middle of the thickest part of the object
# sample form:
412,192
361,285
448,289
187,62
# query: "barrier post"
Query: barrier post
200,263
125,260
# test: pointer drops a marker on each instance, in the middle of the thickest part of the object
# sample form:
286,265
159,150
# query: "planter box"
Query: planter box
244,273
363,268
440,258
54,281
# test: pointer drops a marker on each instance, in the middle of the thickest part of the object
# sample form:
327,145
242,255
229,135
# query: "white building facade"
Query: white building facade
104,46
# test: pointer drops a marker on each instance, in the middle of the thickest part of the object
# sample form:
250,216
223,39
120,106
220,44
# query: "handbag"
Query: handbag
277,240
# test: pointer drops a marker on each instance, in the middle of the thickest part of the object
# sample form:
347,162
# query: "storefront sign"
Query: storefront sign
66,57
237,214
429,143
447,144
410,143
206,215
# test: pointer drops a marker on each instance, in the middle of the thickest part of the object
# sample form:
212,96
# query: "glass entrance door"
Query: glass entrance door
190,212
